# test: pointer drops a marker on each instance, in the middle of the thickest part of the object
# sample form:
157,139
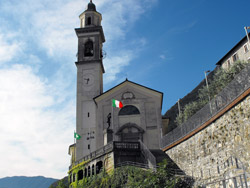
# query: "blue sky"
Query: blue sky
162,44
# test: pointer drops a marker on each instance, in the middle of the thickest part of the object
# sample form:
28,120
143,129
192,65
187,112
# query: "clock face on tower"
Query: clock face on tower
88,80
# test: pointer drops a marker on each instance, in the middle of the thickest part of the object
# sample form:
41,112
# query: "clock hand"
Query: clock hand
87,79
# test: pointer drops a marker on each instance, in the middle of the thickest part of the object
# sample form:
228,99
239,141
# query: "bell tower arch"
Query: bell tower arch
90,72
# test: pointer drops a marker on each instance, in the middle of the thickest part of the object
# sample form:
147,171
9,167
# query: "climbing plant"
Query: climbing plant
166,176
133,177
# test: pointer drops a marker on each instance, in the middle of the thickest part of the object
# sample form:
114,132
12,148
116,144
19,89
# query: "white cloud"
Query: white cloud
119,16
115,65
182,28
37,113
162,56
48,25
33,136
51,23
8,49
166,56
54,28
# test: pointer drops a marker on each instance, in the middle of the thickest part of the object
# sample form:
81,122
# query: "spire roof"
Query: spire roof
91,6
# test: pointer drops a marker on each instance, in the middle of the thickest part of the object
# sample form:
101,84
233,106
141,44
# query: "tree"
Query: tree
219,81
63,183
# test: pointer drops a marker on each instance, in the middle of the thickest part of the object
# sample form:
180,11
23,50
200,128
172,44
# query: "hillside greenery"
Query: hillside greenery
63,183
27,182
220,80
133,177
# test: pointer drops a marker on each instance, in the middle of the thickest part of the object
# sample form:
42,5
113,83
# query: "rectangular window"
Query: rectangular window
235,57
246,48
88,114
88,146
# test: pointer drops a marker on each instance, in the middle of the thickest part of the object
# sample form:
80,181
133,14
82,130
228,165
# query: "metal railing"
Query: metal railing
108,148
127,146
232,91
148,155
99,152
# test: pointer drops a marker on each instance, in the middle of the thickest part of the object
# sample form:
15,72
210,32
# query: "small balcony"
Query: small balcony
126,146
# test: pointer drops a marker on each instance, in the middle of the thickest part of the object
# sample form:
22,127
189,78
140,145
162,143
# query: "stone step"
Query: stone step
159,155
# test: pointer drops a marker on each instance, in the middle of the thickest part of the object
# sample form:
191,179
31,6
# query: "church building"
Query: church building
107,136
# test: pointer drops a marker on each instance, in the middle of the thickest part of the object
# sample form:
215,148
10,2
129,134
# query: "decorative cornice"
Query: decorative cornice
90,29
91,61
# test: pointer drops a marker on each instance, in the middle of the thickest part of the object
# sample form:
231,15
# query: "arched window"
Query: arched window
98,167
130,132
89,171
80,174
85,172
89,21
129,110
93,170
89,49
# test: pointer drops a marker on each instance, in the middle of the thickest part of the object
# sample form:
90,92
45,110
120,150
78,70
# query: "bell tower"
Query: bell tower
89,77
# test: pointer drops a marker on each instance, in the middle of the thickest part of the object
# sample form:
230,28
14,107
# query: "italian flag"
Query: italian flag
116,103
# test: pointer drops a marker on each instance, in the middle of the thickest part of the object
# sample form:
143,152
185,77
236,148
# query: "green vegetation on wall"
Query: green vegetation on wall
73,175
133,177
219,81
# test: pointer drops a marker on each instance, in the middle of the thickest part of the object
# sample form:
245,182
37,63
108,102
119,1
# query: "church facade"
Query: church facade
108,136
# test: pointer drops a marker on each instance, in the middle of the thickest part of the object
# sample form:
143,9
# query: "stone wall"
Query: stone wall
220,150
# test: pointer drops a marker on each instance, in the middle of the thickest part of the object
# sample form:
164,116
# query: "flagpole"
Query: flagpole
112,114
89,135
74,158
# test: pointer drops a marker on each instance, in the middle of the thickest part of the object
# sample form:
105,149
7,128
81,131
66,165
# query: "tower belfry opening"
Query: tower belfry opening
89,51
89,21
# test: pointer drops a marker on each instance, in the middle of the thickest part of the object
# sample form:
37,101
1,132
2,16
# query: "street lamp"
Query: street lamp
179,107
208,90
246,28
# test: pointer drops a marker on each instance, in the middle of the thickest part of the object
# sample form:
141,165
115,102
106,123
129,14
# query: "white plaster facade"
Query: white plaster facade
146,100
241,51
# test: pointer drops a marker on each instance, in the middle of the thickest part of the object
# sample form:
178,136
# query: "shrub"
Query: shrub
131,177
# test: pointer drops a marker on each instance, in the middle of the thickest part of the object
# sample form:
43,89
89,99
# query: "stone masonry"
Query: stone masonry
220,150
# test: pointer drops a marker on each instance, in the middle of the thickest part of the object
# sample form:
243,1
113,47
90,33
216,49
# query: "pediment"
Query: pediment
129,90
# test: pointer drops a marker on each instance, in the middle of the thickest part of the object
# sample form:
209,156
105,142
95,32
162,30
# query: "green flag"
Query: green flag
77,136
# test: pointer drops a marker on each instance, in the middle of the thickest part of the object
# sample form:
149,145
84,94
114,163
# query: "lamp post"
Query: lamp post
246,28
208,90
179,107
